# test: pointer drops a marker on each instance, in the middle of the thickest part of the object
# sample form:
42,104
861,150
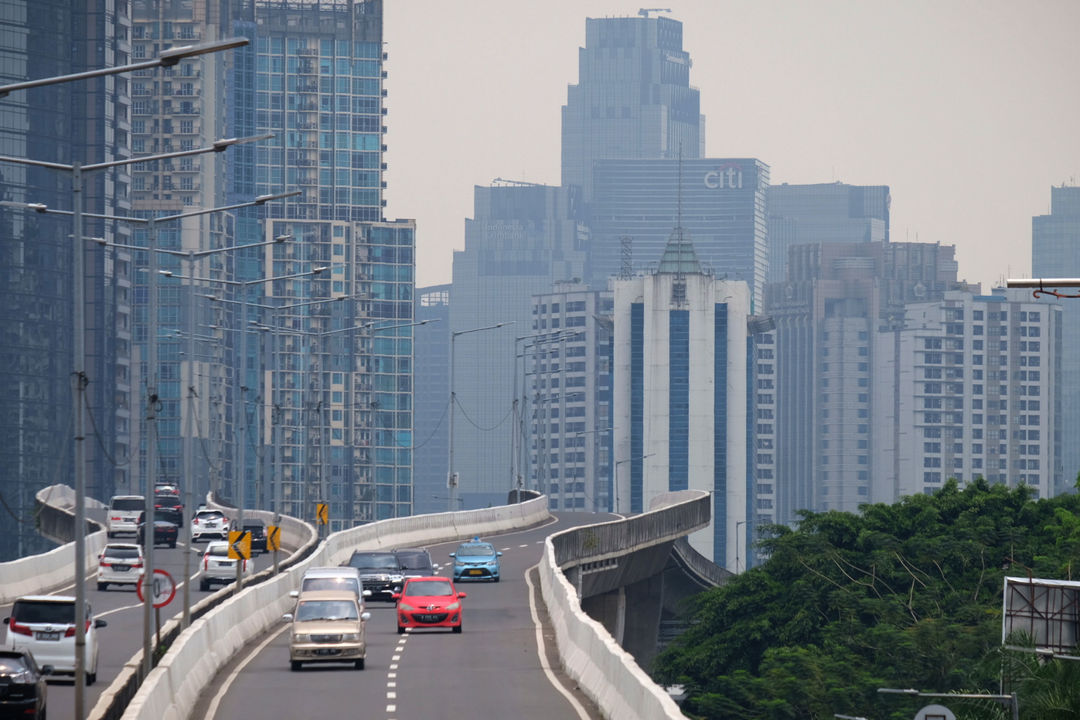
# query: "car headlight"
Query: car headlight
301,638
350,637
454,605
396,578
492,563
406,607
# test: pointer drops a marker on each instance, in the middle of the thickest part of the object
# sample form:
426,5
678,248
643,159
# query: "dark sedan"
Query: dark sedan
23,692
165,532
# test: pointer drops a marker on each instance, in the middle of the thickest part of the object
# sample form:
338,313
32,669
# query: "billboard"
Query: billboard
1048,611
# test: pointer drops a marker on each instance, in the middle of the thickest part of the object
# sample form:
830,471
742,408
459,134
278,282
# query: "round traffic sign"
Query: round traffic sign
164,588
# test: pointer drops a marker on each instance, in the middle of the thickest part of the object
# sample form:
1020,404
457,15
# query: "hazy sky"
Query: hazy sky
969,111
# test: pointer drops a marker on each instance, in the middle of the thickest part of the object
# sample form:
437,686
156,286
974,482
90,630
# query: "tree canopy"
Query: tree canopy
906,595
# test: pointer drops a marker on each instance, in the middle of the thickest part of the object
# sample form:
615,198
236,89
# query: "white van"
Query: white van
332,578
123,514
45,625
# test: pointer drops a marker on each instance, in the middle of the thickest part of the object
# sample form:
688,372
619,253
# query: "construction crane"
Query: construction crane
644,12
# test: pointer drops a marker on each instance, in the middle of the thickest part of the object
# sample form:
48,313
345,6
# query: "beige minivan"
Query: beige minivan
327,626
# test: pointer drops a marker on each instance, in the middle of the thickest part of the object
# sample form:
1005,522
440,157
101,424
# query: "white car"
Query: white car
45,625
120,564
332,578
219,568
123,515
209,523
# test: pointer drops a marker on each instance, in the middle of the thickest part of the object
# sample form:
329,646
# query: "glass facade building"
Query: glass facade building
1055,252
86,121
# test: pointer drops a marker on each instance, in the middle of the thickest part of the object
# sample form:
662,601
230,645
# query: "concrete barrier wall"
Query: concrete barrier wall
593,659
173,687
49,571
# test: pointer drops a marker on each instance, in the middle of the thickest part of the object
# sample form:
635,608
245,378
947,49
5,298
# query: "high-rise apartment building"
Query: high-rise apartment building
1055,252
633,98
721,202
86,121
835,300
966,387
680,383
563,412
824,212
340,395
522,239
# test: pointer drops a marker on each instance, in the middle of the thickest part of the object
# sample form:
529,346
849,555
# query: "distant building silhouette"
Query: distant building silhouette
1055,252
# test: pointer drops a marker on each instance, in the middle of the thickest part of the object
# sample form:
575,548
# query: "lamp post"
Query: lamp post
451,477
738,524
1009,700
167,58
617,464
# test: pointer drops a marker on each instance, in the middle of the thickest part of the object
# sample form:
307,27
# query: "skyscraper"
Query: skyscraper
721,202
835,300
679,394
522,239
633,98
1055,252
431,405
342,385
85,121
825,212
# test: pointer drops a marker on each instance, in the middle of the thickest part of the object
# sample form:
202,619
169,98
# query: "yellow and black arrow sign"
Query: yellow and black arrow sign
273,537
322,513
240,544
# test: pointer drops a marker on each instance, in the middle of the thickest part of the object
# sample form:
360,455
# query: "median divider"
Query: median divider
172,689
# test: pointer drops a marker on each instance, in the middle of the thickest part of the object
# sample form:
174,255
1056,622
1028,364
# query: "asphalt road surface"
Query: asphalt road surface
501,666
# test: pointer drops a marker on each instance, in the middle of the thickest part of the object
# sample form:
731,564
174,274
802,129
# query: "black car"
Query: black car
415,562
380,572
257,528
166,528
23,692
170,502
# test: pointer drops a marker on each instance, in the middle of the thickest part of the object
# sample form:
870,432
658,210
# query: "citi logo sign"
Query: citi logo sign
724,177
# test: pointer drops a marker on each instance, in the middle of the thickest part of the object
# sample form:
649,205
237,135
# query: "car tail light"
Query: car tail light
205,563
116,519
137,566
157,507
70,632
20,629
195,521
105,564
244,567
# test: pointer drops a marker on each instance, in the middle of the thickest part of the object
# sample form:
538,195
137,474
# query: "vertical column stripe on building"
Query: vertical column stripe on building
637,402
720,400
678,399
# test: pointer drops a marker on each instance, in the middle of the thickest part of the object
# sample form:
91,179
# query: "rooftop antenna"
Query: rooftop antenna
644,12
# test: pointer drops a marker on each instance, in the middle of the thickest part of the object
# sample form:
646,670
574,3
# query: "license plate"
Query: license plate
476,572
327,651
48,636
224,564
121,568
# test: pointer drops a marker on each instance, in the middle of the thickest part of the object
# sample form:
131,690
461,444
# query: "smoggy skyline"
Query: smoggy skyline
967,110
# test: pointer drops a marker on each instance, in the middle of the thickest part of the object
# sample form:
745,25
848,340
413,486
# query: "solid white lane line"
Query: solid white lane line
542,651
114,610
212,709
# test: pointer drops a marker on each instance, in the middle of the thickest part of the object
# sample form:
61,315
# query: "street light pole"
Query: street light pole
617,464
738,524
451,477
1009,700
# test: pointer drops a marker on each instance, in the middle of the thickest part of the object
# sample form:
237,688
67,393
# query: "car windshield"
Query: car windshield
218,550
326,610
209,515
428,588
43,611
121,552
169,500
414,560
13,665
128,504
475,550
331,583
258,529
374,562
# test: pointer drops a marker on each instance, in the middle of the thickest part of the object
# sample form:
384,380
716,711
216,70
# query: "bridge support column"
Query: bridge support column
643,609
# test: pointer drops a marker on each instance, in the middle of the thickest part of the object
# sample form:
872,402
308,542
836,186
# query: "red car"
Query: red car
428,602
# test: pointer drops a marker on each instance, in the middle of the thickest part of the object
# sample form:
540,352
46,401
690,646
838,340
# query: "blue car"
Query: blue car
476,560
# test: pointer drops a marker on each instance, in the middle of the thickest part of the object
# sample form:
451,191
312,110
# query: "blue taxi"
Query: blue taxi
476,560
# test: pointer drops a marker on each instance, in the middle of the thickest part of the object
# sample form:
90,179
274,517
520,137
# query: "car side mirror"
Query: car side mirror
287,617
100,623
461,595
365,616
6,620
395,596
498,554
294,593
366,593
46,669
453,554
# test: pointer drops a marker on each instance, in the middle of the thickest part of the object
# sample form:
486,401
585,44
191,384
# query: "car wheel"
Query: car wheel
173,544
360,664
400,629
203,585
91,678
109,535
496,578
101,586
294,666
457,629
